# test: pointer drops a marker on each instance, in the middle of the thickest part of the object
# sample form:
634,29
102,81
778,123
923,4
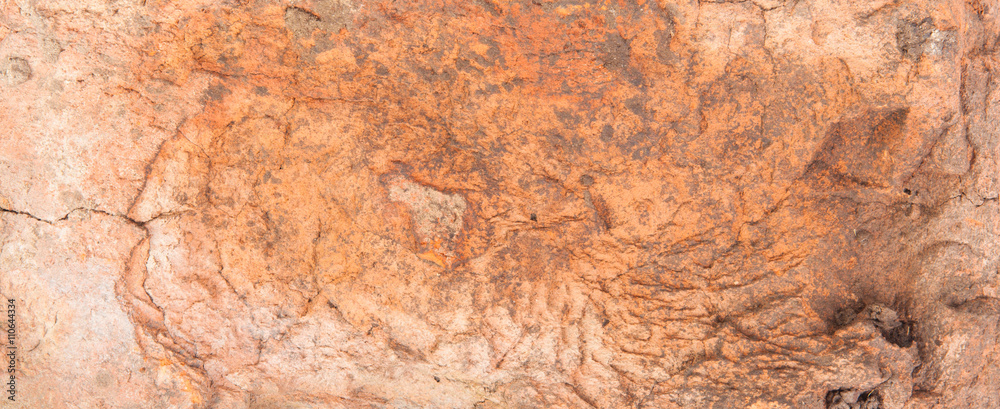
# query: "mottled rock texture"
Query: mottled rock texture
502,203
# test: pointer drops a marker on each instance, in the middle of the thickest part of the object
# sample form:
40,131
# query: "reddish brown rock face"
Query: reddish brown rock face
492,204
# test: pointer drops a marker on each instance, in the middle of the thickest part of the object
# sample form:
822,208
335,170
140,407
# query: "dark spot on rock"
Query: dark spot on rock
431,74
493,55
268,177
907,191
405,351
215,93
533,217
567,117
488,89
835,399
911,36
860,149
845,316
987,306
640,143
637,105
464,65
586,180
902,335
870,400
261,91
863,236
846,399
489,6
16,70
607,133
641,153
663,51
437,379
889,127
615,53
634,76
604,214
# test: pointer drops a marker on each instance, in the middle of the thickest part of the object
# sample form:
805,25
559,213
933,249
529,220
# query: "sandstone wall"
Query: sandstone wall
501,203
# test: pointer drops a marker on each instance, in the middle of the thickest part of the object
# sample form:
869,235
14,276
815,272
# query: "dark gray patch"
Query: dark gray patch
488,89
489,6
663,51
853,149
980,306
663,38
16,70
604,213
902,335
261,91
845,316
634,77
430,74
381,70
465,65
870,400
637,105
567,117
215,93
562,143
846,399
360,53
910,37
586,180
269,178
615,53
607,133
641,153
513,83
640,143
493,55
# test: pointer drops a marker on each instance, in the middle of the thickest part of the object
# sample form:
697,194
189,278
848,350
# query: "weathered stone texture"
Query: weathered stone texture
502,204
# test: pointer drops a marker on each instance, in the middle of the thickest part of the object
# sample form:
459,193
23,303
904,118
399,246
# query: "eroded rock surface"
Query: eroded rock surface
502,204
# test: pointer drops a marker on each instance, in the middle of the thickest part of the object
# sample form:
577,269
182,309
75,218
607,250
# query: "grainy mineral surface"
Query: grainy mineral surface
501,203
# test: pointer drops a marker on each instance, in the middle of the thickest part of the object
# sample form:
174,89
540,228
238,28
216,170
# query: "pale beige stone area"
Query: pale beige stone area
76,344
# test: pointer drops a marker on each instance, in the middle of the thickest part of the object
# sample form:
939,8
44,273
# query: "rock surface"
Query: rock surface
502,204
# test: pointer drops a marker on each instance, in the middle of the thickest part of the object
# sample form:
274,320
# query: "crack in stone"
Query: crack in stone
71,212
